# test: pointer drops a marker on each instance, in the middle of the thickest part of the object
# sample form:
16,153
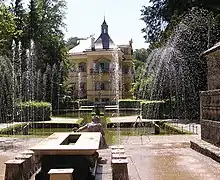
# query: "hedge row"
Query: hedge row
32,111
154,110
129,103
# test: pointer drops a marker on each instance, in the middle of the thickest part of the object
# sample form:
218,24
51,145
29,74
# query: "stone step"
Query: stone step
206,149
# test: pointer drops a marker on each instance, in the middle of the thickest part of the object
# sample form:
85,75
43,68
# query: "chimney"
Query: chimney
92,43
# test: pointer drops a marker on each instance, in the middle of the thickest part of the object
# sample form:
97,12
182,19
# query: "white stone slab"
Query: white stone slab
87,144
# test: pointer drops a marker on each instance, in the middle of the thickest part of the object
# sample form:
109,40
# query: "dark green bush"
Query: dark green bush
129,103
84,102
154,110
13,129
31,111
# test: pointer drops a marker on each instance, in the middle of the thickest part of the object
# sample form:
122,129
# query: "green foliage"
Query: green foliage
7,29
7,89
84,102
33,111
153,110
162,16
72,42
50,44
129,103
35,104
141,54
13,129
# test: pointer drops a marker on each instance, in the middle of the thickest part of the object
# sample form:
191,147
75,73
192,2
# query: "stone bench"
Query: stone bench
35,159
14,169
28,163
61,174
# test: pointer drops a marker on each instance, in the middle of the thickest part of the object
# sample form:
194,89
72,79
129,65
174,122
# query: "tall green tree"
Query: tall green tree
50,42
19,13
7,29
162,16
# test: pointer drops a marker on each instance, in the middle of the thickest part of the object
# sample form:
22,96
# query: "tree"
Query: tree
141,54
72,42
50,42
33,21
162,16
7,29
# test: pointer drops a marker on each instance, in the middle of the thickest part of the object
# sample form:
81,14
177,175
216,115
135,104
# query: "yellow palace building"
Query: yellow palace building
100,70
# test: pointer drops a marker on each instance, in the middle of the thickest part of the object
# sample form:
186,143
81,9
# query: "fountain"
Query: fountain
175,72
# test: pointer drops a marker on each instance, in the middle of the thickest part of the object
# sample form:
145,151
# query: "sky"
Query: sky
84,18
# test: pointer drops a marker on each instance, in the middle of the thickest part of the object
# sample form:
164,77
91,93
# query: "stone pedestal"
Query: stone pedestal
34,159
120,169
14,169
61,174
27,164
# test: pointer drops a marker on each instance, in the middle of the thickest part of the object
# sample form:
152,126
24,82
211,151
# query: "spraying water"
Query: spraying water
178,73
116,86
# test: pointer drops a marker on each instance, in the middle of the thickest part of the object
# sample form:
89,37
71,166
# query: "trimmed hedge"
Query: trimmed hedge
82,102
32,111
13,129
154,110
129,103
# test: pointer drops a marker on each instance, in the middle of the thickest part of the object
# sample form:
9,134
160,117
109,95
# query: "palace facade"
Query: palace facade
100,70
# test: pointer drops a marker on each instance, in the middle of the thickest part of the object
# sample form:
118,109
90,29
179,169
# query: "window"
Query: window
102,66
126,70
82,86
82,67
100,86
